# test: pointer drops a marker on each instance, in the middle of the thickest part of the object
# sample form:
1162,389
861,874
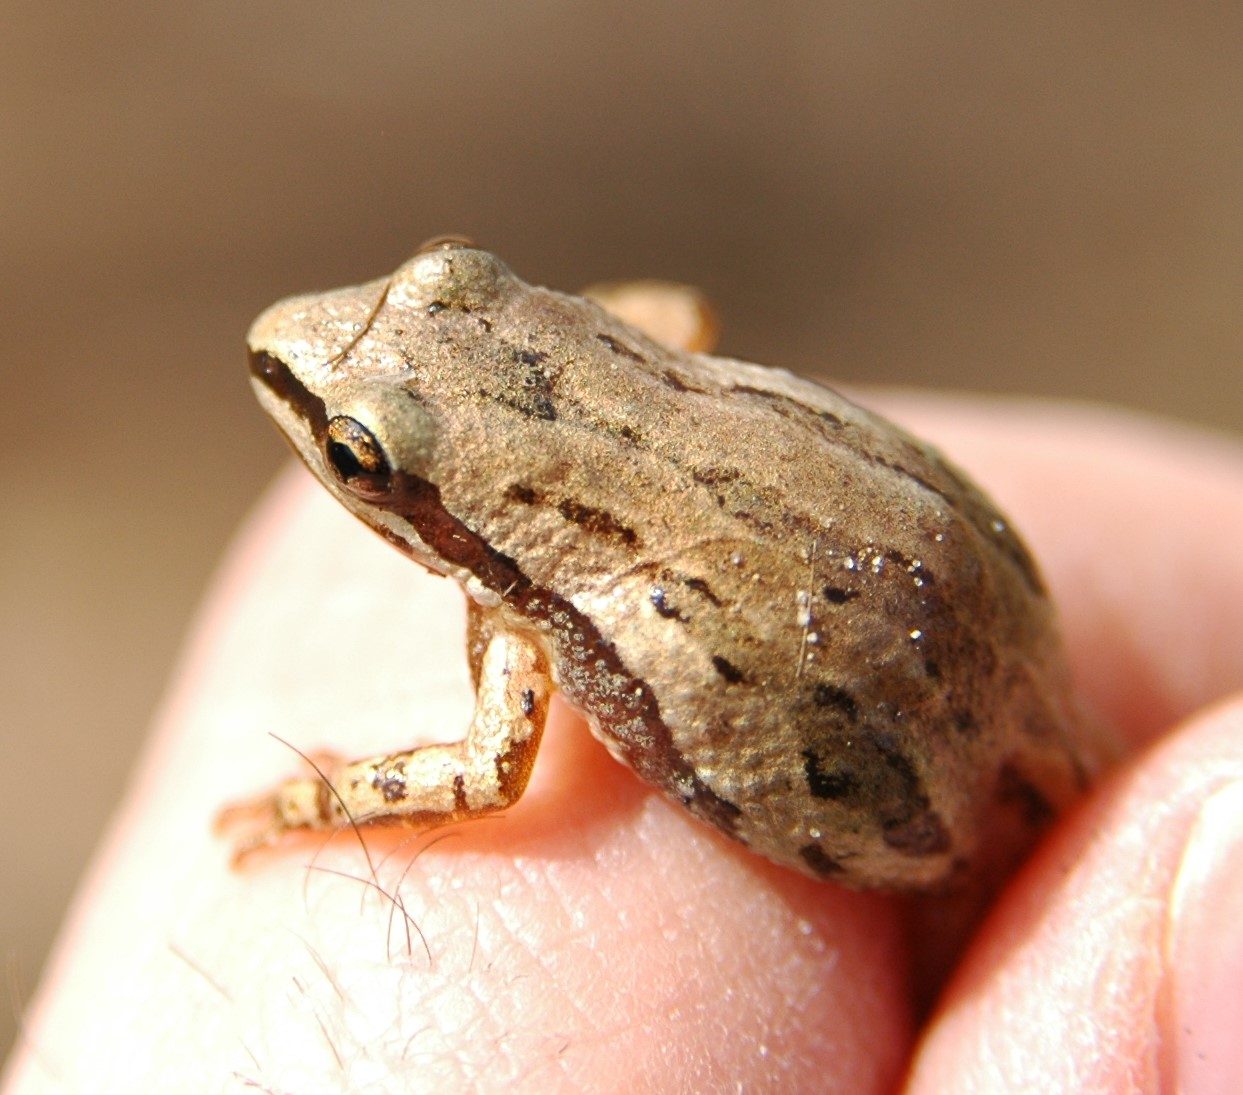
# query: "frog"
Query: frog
785,613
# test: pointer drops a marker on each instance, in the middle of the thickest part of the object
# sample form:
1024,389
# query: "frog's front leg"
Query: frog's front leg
433,784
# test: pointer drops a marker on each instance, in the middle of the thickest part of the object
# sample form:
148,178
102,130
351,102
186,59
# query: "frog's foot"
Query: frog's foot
675,315
253,824
433,784
260,822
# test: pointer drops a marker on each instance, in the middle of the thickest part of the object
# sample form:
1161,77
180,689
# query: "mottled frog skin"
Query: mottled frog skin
781,610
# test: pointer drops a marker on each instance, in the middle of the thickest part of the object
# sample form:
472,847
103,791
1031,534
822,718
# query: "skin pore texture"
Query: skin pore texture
595,936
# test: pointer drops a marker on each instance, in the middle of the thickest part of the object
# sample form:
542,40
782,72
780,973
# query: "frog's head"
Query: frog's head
356,379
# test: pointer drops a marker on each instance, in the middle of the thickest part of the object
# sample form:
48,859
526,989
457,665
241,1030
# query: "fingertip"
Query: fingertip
1202,1016
1072,983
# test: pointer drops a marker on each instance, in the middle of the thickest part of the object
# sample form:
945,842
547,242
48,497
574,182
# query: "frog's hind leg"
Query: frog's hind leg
480,627
432,784
675,315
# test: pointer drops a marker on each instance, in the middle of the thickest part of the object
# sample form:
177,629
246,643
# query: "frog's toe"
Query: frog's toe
252,824
296,805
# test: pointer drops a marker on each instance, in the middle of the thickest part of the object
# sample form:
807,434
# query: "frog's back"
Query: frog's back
842,652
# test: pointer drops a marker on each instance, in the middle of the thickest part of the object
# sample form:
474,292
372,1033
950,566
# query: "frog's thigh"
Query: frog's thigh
675,315
487,770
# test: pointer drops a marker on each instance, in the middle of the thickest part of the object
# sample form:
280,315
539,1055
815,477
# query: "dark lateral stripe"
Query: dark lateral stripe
913,567
788,406
913,827
597,521
819,860
922,835
660,601
679,383
979,515
830,695
961,498
520,492
460,803
833,784
703,589
708,806
648,748
836,595
906,473
727,669
538,405
619,347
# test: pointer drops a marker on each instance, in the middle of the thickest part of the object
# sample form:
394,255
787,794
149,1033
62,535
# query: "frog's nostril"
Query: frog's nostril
264,366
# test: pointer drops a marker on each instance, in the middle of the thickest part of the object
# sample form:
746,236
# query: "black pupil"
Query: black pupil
344,460
355,454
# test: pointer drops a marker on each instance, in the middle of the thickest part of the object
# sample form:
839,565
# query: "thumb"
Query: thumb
1115,961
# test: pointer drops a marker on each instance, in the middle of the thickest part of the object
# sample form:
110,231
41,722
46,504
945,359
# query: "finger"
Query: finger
593,936
260,668
1114,963
1136,524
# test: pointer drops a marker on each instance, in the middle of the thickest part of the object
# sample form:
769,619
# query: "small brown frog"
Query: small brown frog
784,612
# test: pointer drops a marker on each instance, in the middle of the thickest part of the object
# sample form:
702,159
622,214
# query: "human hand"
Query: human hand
596,937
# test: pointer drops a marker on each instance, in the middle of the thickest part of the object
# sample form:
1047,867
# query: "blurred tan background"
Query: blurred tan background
1048,200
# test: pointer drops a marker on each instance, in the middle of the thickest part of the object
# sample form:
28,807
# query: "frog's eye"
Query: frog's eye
356,457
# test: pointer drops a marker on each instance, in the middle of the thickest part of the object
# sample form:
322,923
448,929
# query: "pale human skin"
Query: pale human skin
597,938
